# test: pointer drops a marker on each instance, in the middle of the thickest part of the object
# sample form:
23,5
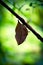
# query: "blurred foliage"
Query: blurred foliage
29,52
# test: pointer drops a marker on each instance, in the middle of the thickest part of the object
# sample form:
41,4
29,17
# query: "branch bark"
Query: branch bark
22,20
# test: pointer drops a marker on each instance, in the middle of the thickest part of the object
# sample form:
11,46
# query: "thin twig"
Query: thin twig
22,20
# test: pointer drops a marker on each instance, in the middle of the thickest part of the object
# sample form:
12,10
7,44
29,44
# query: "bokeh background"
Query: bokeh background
30,52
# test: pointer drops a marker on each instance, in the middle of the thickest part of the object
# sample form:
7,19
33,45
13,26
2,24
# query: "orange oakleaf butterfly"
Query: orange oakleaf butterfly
21,33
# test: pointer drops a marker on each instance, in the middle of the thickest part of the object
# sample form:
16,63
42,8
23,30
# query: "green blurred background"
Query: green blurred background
30,52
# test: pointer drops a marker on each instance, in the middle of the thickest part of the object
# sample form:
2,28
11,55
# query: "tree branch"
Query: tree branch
22,20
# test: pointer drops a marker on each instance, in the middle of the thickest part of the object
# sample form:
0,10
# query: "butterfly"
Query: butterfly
21,33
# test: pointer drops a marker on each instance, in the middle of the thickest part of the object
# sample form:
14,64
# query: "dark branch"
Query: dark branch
22,20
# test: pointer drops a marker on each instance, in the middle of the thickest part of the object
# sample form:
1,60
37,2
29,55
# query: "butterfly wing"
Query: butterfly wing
21,33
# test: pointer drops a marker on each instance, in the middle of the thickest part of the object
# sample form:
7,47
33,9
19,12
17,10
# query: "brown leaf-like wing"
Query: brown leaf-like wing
21,33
